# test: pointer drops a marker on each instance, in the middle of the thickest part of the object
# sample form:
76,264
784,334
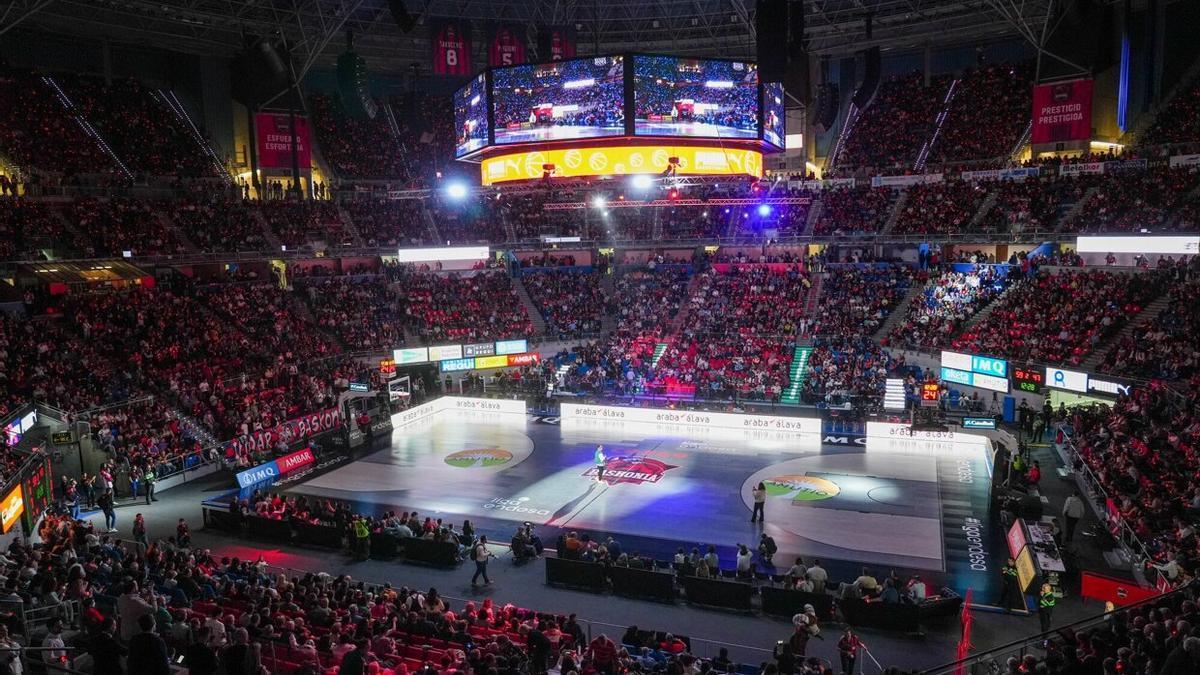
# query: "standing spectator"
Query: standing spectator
110,515
760,500
1073,510
55,656
139,530
603,652
130,608
106,651
481,555
149,478
147,651
10,658
848,647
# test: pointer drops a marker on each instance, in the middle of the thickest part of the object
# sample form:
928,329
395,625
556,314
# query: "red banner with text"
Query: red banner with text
451,47
291,431
556,43
1062,111
275,141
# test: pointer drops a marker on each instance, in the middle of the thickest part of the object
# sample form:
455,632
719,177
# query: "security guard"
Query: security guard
1046,602
1010,588
362,533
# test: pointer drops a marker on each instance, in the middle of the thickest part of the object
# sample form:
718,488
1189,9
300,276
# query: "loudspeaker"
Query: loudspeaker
827,105
870,82
771,27
259,72
404,21
797,81
352,85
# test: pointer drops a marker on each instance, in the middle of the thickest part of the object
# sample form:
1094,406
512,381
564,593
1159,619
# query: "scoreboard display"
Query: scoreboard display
931,394
1030,380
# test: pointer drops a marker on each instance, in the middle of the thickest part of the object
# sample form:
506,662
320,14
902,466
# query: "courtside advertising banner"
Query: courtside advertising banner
506,45
276,468
291,431
275,141
712,420
1062,111
451,41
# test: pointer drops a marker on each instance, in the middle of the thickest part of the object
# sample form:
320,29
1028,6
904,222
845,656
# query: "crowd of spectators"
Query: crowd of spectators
1060,317
1179,121
140,127
940,208
365,313
28,226
356,148
948,300
388,223
892,129
571,302
1163,346
989,112
122,224
843,367
38,133
463,308
1033,204
738,338
217,224
1134,201
856,210
857,299
298,223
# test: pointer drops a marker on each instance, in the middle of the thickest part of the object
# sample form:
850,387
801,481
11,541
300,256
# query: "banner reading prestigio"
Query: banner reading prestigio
290,431
275,141
1062,111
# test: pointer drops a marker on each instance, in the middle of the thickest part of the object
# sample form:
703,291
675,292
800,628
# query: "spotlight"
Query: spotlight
764,210
642,181
599,201
456,191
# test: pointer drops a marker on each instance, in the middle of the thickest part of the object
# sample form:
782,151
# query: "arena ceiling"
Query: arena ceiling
317,28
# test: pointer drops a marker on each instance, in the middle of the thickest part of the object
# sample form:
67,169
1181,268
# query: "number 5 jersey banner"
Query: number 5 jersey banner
291,431
451,47
275,143
506,45
1062,111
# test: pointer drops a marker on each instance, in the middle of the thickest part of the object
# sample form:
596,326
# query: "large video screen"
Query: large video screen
696,98
562,100
471,116
774,115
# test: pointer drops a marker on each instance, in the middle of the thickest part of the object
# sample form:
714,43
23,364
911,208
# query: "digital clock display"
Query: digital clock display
1028,380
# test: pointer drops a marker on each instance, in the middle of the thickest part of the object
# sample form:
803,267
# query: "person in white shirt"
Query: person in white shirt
916,589
819,576
1073,510
745,560
56,654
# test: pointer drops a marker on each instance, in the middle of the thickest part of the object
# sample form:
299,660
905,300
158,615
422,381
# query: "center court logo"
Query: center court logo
478,457
801,488
635,470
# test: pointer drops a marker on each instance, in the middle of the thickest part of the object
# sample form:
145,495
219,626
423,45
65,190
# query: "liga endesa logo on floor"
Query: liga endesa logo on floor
801,488
479,457
635,470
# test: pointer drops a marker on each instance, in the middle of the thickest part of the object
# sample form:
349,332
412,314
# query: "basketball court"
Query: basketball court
907,505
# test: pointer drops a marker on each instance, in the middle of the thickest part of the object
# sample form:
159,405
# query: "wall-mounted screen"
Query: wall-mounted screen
561,100
471,116
774,115
696,98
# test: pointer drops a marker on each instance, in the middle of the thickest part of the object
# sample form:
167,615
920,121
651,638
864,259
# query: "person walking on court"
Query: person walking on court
601,460
759,493
1073,510
480,554
1046,602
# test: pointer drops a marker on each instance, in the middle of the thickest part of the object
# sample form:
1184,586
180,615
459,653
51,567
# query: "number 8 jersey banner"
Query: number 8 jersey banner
451,47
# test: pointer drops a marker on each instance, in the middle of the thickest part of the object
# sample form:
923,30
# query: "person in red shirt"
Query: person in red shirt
848,647
603,652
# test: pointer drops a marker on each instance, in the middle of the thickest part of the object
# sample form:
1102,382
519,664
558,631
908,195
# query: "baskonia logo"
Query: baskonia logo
635,470
800,488
479,457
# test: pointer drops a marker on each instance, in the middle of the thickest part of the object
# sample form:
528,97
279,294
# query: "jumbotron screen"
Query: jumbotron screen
774,115
560,100
695,98
471,116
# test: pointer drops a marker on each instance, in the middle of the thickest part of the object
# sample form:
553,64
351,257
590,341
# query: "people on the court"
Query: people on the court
745,561
481,555
759,493
767,549
601,460
1046,603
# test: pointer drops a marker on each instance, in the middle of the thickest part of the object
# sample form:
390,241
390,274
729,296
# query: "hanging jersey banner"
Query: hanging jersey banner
556,43
451,47
506,45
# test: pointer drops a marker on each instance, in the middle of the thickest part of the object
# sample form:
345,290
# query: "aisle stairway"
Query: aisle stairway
900,311
531,310
894,215
659,349
814,215
797,374
1151,310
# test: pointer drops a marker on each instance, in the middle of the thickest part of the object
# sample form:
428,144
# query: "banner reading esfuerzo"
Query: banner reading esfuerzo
275,144
1062,111
291,431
